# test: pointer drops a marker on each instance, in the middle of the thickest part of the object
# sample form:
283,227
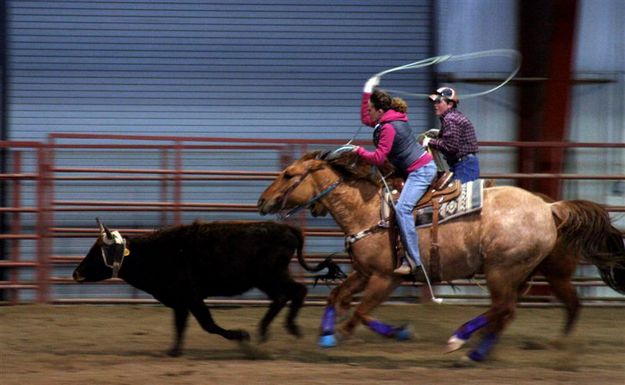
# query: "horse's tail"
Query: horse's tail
334,271
585,226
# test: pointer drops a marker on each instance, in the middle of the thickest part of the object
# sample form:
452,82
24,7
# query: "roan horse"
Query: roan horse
515,235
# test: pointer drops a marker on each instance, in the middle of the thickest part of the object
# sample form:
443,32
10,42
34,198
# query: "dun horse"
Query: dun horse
515,235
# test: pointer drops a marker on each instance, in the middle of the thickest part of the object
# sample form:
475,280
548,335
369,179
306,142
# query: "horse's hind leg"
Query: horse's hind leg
504,293
558,269
464,332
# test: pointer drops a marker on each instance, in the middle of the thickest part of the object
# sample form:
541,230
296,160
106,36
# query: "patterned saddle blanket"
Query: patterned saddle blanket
468,201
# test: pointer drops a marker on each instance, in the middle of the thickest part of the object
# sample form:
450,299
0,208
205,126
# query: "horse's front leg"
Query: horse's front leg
338,304
378,290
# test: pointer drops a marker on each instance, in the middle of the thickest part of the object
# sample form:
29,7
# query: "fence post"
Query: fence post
177,182
42,227
164,184
15,224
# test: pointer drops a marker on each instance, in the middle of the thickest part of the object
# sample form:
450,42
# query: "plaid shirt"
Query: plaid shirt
457,136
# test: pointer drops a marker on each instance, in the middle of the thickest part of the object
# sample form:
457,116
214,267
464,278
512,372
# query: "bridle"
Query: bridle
308,203
283,216
382,224
113,249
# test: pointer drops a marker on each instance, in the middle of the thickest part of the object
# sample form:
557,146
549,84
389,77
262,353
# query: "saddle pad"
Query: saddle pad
469,201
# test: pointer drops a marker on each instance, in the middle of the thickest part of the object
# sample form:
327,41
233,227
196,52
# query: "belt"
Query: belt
462,158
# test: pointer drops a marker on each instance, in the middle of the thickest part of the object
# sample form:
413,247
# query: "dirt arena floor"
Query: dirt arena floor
127,344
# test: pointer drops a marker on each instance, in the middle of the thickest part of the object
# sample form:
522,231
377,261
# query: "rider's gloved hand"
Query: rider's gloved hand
432,133
371,84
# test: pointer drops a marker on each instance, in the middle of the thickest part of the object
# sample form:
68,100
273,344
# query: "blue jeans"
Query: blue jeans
467,170
416,185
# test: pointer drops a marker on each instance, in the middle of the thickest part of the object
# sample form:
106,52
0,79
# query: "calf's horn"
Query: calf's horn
104,229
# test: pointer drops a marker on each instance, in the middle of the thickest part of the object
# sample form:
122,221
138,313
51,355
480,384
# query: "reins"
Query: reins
308,203
312,200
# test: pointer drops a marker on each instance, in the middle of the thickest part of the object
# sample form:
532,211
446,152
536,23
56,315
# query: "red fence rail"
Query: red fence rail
46,175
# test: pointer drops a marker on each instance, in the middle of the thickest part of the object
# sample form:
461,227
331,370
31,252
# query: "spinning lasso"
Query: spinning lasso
509,53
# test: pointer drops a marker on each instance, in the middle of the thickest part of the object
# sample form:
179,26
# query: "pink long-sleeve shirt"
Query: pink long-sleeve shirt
387,136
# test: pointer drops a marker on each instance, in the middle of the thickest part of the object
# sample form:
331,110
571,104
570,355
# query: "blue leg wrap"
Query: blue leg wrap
480,353
327,321
382,328
400,333
465,331
403,334
327,338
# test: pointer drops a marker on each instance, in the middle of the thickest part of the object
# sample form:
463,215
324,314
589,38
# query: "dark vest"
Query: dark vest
405,149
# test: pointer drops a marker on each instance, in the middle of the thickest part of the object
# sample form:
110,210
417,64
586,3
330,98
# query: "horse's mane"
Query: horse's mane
352,167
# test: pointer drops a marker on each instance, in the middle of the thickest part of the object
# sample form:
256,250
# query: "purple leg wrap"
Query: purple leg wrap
480,353
465,331
382,328
327,321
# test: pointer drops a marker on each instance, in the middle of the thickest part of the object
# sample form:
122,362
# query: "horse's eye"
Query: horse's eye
287,175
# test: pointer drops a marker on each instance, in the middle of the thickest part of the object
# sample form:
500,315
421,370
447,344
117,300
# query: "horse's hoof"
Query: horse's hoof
476,356
464,362
403,334
454,343
328,341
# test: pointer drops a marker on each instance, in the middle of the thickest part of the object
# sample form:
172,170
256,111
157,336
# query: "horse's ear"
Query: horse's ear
316,165
323,154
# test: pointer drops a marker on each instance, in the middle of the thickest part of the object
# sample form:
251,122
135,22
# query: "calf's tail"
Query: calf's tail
333,270
585,227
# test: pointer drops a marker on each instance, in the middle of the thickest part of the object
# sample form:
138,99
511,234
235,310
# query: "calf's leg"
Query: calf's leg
204,318
281,290
298,294
181,314
278,301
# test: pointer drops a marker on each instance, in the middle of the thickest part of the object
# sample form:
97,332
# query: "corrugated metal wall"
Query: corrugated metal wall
279,69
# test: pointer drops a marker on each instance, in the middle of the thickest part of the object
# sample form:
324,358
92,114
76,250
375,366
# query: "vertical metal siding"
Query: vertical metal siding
250,68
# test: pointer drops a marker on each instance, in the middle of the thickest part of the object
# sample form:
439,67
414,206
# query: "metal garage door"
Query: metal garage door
250,68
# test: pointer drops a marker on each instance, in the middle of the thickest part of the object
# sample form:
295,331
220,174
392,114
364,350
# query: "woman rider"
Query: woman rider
394,139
